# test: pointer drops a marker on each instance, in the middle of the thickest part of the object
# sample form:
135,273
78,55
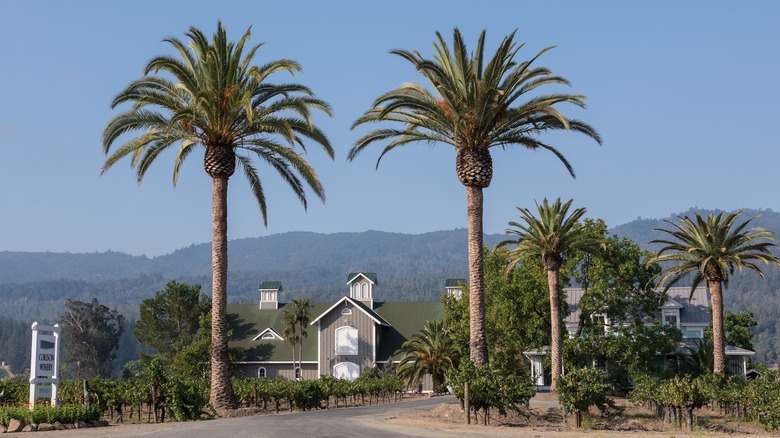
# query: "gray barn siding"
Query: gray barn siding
327,331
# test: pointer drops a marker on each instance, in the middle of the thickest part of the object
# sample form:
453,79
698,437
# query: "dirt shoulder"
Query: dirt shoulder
544,418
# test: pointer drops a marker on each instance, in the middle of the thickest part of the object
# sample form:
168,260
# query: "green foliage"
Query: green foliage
517,310
431,351
90,334
581,388
764,396
617,279
50,414
170,321
739,328
490,388
618,284
627,351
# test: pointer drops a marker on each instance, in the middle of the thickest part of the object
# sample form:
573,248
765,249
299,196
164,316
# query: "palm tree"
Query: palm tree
700,359
431,351
550,236
290,331
303,316
211,96
710,249
473,107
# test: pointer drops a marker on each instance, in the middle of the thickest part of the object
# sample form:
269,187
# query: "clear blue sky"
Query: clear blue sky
685,95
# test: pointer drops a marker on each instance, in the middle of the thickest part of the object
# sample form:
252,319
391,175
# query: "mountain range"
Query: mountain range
315,266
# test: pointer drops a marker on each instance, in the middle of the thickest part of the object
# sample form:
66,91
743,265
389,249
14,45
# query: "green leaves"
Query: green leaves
712,248
473,102
212,95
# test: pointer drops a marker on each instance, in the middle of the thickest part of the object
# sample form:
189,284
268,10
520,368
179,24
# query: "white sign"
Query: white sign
44,363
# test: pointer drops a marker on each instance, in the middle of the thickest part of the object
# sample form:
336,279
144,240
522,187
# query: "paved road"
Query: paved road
358,422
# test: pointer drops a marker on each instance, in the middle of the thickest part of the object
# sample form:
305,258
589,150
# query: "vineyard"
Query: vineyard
165,396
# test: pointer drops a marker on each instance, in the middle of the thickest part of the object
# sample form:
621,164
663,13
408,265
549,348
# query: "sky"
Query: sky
684,94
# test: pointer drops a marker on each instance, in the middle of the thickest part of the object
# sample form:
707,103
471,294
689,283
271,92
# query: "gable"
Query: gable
360,306
370,276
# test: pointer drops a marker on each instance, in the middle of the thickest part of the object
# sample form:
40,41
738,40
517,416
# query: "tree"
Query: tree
91,333
517,313
618,284
213,97
290,331
738,329
711,249
550,236
475,106
431,351
302,312
169,321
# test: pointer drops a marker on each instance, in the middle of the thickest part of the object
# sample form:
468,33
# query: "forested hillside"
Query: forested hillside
33,286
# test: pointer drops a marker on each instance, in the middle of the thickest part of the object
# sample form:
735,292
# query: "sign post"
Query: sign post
44,363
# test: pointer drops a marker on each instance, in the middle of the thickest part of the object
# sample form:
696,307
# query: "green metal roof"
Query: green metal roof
454,282
248,321
273,285
370,275
406,319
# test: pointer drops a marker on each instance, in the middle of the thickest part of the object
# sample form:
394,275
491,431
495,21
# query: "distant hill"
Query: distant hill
310,265
314,266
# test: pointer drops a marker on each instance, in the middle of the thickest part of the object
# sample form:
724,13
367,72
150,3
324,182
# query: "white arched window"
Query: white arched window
347,340
346,311
261,372
346,370
297,373
364,294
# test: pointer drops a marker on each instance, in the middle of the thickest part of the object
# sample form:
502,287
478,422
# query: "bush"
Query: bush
51,414
582,388
490,388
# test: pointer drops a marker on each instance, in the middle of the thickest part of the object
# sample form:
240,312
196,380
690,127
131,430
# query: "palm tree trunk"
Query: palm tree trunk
555,326
222,396
477,339
718,338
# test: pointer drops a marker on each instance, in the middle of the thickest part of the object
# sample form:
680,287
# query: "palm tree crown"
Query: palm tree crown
549,235
711,249
476,104
213,97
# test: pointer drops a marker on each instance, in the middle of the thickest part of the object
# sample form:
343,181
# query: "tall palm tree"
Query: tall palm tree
212,96
710,249
303,316
474,106
550,236
431,351
290,332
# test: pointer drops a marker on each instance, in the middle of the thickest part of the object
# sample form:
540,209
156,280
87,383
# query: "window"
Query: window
346,370
671,318
347,340
268,335
346,311
693,333
600,323
364,294
261,372
297,373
